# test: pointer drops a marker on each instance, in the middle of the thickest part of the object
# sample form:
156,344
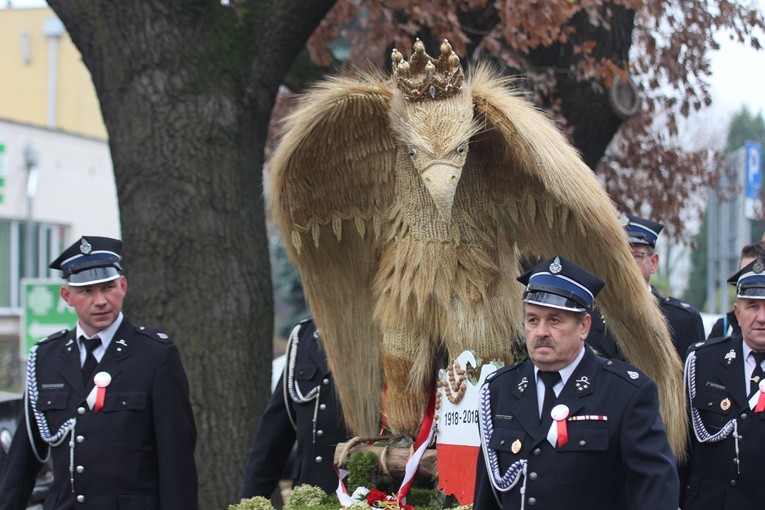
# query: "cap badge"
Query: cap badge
624,220
516,446
85,247
730,356
759,265
555,267
725,404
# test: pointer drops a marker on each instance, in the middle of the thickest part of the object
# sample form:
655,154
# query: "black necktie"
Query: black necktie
549,379
757,373
90,360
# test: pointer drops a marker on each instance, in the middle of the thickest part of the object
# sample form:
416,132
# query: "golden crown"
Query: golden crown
424,77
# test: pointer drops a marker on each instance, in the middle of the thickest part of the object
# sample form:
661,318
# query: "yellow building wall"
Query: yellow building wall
24,85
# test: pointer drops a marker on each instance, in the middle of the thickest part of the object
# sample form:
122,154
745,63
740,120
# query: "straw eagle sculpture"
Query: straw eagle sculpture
404,202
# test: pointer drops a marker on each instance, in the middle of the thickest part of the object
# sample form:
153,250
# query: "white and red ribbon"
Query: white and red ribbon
420,445
558,433
757,402
97,395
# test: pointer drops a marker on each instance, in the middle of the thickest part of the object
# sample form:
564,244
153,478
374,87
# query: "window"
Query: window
26,249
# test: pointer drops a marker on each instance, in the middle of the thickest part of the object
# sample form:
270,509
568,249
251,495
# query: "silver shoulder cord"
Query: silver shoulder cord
291,389
701,432
515,471
30,401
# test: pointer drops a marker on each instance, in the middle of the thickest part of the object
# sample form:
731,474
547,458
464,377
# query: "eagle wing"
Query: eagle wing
330,185
553,204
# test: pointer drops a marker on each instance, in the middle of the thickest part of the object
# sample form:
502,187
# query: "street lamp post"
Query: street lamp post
30,162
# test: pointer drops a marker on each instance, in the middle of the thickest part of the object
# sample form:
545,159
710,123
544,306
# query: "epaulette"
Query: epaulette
624,370
681,305
155,334
504,370
706,343
54,336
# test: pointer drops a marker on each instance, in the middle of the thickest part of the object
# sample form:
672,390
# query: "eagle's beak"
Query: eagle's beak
441,182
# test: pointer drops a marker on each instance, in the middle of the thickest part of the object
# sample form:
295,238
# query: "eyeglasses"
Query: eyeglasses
640,256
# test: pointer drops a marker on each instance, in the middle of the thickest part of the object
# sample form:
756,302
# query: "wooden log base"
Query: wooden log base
391,459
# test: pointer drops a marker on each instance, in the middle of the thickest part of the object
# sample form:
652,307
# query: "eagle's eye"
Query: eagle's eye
412,152
460,150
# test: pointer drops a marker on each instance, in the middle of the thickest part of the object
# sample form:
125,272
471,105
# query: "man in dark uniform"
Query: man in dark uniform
107,400
568,429
728,324
303,408
685,324
726,395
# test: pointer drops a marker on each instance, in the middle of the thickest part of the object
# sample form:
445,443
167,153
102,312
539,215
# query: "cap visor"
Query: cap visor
751,293
93,276
553,301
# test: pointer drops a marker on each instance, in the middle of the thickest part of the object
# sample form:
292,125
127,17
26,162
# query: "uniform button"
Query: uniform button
733,483
80,410
609,363
124,403
80,439
322,407
49,402
532,501
743,416
533,475
502,442
80,469
300,372
81,499
536,451
582,442
319,433
318,459
325,381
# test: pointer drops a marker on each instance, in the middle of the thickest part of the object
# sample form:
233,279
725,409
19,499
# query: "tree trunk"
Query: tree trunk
186,100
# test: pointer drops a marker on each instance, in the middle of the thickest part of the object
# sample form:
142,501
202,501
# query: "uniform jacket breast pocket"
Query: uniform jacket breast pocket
713,406
306,377
508,439
54,404
50,400
582,460
122,409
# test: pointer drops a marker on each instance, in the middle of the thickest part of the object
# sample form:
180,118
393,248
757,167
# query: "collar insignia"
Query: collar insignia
632,374
523,384
730,356
582,383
